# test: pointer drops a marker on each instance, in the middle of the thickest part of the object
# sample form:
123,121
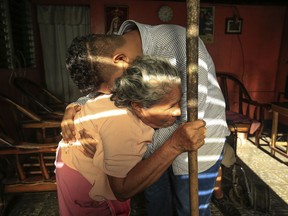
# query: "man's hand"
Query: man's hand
88,143
67,124
189,136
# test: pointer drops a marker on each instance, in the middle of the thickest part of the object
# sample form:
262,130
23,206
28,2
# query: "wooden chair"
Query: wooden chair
27,149
283,96
243,113
44,101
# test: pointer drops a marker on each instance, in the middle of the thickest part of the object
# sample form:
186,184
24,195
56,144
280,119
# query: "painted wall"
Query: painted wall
258,56
253,55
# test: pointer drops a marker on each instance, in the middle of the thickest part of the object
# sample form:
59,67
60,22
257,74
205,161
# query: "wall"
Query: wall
142,11
258,56
283,58
252,55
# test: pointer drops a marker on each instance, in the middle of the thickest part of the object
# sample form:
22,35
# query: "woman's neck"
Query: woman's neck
104,88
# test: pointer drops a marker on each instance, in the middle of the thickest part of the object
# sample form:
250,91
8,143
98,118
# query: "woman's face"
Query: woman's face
165,113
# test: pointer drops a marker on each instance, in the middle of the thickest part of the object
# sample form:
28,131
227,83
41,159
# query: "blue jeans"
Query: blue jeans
172,191
159,196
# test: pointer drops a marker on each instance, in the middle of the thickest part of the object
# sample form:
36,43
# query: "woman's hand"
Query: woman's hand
189,136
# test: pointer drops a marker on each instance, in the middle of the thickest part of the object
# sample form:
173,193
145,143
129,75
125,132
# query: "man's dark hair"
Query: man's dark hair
83,60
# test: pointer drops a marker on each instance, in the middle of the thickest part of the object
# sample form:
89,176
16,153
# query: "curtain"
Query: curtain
58,26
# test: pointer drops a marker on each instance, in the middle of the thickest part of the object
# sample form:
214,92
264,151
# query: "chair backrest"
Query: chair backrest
5,140
40,96
22,142
12,116
237,97
233,91
286,89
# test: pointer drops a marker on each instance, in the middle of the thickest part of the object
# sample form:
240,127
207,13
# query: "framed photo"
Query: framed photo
206,24
233,26
115,15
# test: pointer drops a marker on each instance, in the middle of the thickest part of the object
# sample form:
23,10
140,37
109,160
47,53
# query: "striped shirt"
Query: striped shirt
169,41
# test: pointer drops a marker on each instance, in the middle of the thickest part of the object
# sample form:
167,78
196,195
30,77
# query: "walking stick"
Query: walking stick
192,33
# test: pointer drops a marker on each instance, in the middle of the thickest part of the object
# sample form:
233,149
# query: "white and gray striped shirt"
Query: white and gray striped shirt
169,41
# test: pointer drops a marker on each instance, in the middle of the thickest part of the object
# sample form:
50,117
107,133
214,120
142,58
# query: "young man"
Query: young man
169,41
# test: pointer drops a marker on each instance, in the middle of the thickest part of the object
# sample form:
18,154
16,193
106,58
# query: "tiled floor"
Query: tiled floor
260,168
272,171
263,169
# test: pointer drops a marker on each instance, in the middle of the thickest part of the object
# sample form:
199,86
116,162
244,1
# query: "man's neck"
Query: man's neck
133,42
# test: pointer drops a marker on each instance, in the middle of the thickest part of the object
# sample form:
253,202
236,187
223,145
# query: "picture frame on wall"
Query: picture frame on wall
206,24
233,25
115,15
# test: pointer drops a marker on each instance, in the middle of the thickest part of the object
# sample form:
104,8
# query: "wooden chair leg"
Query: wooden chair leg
2,200
257,139
20,170
43,167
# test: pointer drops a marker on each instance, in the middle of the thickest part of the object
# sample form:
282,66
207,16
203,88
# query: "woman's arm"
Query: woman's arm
188,137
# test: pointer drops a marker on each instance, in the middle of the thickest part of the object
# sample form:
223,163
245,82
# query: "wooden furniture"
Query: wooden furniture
278,109
27,149
241,123
244,115
40,100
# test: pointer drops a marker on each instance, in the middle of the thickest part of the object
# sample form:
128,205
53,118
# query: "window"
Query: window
16,35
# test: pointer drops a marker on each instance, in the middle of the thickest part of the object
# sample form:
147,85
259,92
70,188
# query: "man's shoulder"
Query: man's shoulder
129,25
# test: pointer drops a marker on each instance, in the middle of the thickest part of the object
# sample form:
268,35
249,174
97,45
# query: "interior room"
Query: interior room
247,40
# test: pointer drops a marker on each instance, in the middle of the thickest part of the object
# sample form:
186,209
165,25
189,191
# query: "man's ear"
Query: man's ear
120,58
121,61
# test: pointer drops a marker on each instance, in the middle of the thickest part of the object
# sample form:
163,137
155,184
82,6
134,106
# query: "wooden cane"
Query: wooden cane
192,34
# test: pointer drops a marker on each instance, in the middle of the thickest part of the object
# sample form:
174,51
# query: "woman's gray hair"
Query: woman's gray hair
147,81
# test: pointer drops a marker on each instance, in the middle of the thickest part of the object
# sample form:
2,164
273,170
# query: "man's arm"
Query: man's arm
188,137
67,124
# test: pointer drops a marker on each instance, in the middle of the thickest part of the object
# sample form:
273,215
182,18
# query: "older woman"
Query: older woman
146,97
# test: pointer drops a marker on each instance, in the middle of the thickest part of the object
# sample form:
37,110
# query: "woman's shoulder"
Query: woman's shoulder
100,100
102,107
96,105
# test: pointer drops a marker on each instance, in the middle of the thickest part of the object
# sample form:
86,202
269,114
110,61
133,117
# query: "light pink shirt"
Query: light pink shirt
121,142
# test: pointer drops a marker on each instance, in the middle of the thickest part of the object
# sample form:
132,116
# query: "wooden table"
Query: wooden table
278,109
